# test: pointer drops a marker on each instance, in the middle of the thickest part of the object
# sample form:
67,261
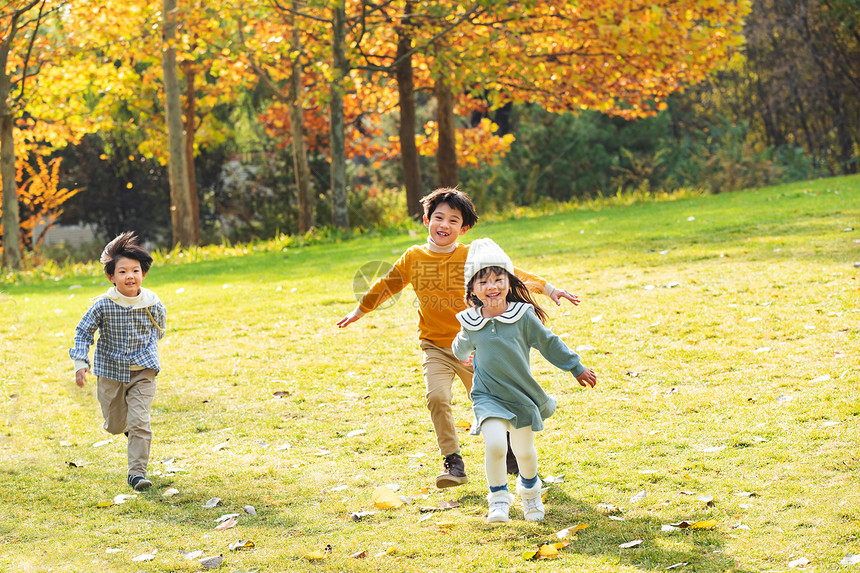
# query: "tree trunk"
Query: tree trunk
180,201
300,156
11,227
406,91
446,151
190,116
340,210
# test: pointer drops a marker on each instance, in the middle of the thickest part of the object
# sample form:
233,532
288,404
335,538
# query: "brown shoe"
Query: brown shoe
454,472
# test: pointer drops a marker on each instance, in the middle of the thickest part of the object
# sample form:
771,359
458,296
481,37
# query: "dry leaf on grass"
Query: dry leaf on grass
676,565
384,498
801,562
639,496
390,551
226,516
222,445
706,499
634,543
850,560
568,531
705,524
607,509
77,464
190,555
123,497
355,433
554,479
359,515
212,502
229,524
242,544
281,393
145,556
170,492
102,443
249,509
315,556
213,562
358,555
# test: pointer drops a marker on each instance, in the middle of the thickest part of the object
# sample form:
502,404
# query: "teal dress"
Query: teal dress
503,386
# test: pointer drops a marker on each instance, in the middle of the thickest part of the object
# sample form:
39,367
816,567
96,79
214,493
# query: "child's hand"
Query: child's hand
348,319
557,294
587,378
81,376
468,361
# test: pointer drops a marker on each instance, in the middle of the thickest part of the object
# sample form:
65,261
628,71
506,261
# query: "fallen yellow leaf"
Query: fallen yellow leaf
707,524
384,498
315,556
547,552
565,533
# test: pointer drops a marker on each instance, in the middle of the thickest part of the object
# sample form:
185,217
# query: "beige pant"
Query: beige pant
440,367
125,407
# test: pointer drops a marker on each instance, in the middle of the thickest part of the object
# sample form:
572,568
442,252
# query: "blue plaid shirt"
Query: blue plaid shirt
126,336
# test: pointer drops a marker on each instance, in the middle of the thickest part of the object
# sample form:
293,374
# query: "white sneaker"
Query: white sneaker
533,507
500,506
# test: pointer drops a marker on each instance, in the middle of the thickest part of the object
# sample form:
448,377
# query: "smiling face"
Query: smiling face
445,224
492,290
127,277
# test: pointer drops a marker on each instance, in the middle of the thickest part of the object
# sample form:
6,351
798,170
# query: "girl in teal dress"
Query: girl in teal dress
501,327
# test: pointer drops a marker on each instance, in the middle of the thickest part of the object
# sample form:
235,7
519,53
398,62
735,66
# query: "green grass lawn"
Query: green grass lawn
724,330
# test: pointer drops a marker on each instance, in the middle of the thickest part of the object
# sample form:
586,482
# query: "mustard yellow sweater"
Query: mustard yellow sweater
437,279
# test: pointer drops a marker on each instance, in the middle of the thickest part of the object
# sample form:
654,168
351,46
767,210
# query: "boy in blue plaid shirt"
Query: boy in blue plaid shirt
130,320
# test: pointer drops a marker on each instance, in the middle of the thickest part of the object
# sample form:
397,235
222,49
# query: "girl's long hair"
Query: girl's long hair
517,291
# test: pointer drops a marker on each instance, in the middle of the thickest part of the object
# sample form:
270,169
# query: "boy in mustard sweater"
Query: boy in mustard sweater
435,271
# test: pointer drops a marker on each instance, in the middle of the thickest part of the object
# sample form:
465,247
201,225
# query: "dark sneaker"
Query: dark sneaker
454,472
139,483
511,460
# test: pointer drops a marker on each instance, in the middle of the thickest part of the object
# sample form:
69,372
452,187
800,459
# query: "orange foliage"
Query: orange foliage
40,197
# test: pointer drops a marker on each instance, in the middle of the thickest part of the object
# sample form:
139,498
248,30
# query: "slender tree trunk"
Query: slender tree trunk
180,201
446,151
340,210
11,227
300,156
406,91
190,116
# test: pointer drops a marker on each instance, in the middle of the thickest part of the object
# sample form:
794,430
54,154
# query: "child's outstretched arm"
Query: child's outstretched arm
556,351
539,285
392,283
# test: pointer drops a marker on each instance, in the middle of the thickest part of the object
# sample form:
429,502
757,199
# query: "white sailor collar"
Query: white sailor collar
471,319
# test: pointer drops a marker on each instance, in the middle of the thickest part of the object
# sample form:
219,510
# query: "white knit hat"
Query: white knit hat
485,253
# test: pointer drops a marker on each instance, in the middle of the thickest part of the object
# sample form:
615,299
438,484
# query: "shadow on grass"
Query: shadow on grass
696,549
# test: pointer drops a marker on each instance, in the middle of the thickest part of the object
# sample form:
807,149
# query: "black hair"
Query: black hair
454,199
125,245
517,290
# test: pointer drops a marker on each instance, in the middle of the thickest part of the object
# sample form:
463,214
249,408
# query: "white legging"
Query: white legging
496,448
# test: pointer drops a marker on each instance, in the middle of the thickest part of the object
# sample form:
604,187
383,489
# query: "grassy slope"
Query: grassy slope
754,297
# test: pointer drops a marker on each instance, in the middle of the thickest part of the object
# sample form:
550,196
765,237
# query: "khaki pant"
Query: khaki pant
440,367
125,408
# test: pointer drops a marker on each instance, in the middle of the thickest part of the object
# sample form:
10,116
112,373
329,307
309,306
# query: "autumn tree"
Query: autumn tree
21,22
